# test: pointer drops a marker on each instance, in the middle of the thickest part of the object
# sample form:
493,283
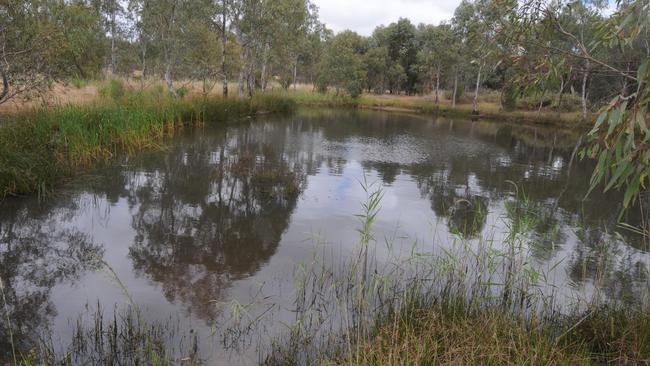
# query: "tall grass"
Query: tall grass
39,148
476,303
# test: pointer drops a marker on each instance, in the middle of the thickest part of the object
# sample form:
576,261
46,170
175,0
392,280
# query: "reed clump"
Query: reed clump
479,302
39,148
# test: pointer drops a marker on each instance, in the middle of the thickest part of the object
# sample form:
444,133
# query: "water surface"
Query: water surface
228,211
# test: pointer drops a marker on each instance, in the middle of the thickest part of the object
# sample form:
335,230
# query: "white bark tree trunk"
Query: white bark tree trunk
453,98
113,56
478,86
438,85
224,43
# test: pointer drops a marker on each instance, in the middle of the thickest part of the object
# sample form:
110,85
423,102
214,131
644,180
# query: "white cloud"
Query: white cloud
363,16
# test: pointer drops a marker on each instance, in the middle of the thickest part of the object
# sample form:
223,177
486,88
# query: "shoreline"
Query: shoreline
41,147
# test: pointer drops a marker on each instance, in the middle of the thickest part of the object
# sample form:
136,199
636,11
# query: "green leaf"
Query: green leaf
617,174
615,119
643,70
640,121
601,118
631,192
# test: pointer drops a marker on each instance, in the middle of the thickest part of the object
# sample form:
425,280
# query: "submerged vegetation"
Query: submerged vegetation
39,148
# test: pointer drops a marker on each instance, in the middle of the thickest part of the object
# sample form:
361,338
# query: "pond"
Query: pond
225,213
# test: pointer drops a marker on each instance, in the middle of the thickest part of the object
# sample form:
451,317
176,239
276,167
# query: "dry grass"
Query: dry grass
433,337
489,107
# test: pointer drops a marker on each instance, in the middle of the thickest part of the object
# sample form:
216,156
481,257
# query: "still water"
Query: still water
227,212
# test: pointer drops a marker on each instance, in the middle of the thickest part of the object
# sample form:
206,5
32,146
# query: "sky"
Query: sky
362,16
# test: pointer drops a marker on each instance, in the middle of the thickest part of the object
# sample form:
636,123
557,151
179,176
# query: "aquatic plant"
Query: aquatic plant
40,148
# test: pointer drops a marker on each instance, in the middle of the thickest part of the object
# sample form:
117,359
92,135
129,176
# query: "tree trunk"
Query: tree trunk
263,75
167,51
113,57
560,93
295,74
584,90
453,98
144,66
224,42
478,86
438,86
169,79
242,72
265,62
5,86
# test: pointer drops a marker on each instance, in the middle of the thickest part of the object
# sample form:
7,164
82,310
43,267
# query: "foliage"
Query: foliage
113,89
621,133
342,66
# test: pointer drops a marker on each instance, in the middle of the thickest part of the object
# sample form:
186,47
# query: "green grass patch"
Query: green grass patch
39,148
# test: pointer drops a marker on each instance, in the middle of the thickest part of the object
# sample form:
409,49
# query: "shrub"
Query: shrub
490,96
322,84
570,103
182,92
509,97
532,102
79,83
449,94
113,89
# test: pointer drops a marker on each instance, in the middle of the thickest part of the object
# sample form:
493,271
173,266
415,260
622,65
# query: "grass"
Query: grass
42,147
488,108
478,303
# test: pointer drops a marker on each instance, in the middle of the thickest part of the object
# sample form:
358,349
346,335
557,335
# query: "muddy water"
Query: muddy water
226,213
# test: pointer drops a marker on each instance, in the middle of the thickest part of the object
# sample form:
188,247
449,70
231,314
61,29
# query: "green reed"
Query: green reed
479,302
42,147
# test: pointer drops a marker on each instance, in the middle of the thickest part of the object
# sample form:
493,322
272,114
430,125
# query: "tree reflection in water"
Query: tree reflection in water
205,219
37,252
213,208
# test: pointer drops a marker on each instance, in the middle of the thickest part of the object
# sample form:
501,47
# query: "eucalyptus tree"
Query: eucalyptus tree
619,139
377,65
143,30
42,42
402,48
287,28
112,11
479,26
436,53
342,66
167,20
224,30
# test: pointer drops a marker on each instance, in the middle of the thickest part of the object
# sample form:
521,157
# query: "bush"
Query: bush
322,84
570,103
449,94
489,96
79,83
532,102
509,97
354,88
113,89
182,92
